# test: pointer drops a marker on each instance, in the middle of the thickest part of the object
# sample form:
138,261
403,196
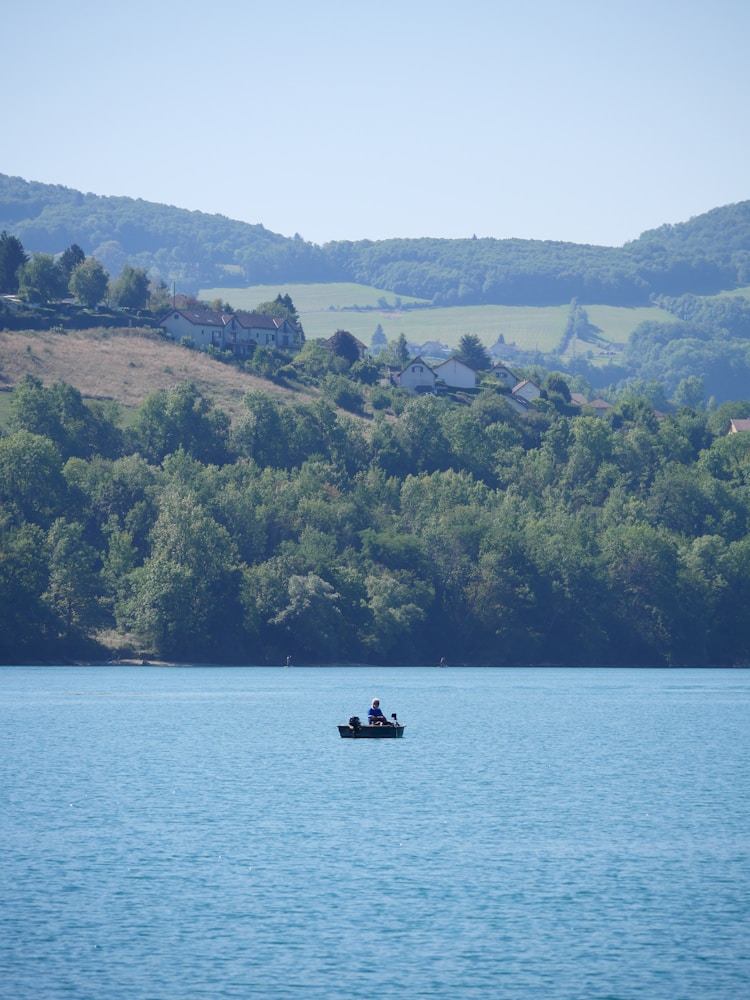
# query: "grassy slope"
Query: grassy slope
123,366
325,308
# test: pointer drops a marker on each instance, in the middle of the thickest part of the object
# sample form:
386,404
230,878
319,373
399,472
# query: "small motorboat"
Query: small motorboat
354,730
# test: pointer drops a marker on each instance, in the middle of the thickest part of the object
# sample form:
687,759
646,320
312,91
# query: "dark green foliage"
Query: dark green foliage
130,290
70,259
88,281
12,259
60,414
343,392
465,530
181,418
344,346
41,280
473,353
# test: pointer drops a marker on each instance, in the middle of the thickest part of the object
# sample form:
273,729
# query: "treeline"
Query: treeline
702,256
438,528
709,348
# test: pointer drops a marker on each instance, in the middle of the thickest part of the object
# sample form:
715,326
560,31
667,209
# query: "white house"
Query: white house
456,374
203,326
503,374
245,331
239,332
527,390
417,376
519,403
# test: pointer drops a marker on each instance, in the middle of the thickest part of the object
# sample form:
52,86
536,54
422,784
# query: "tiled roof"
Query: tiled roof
200,317
252,321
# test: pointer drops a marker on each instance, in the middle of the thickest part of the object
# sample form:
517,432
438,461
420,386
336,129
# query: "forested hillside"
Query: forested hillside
194,249
439,528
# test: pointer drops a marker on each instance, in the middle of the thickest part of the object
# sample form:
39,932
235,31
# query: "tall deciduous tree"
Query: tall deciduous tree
181,599
344,345
74,581
41,280
131,289
12,259
70,259
397,352
88,282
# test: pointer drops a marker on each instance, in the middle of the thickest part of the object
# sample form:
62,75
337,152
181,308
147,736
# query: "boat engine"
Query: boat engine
355,724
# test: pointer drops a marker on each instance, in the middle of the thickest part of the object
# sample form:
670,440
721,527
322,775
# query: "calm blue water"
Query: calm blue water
195,832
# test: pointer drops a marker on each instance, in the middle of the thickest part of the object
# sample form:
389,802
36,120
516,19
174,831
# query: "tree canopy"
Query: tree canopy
462,529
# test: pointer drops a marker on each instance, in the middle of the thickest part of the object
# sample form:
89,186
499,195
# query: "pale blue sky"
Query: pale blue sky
589,121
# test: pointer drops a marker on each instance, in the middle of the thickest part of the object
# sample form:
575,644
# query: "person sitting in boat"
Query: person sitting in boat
375,715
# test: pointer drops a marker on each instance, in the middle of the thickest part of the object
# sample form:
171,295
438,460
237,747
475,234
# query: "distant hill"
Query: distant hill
193,249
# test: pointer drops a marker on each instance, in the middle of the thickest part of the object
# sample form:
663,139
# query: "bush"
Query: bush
343,393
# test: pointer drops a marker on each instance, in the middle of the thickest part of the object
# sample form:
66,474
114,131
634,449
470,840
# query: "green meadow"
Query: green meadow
326,308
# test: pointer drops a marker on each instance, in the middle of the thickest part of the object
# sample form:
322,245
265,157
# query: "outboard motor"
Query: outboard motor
355,724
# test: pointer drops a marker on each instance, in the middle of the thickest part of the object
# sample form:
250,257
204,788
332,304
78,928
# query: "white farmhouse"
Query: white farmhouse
503,374
239,332
203,326
527,390
456,374
417,376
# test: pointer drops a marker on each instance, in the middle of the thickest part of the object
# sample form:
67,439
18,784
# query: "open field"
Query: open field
126,366
325,308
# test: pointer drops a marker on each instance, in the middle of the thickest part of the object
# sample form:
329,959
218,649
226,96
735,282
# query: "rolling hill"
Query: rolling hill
196,250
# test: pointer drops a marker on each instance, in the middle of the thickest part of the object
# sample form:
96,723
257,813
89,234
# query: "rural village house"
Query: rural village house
503,374
417,376
239,332
527,390
456,374
362,349
599,406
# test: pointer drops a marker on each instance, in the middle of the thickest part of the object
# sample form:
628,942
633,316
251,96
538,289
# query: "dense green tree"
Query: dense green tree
310,618
397,352
641,569
32,485
283,307
26,622
344,346
89,282
41,280
181,417
74,586
343,392
12,258
180,600
690,393
257,434
378,340
314,361
59,413
473,353
398,602
70,259
131,289
556,384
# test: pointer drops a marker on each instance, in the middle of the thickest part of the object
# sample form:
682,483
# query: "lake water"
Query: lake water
537,833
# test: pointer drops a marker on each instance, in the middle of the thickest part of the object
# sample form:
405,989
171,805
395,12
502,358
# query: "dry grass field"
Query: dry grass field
126,366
